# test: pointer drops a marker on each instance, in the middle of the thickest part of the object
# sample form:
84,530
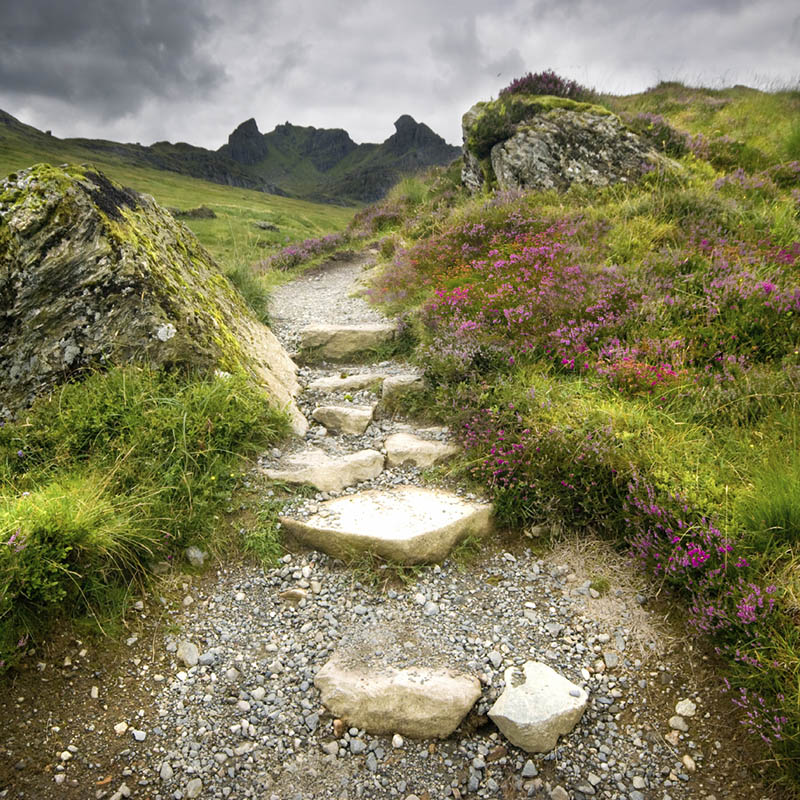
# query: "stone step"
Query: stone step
406,448
349,383
338,342
397,386
344,419
406,524
314,467
419,702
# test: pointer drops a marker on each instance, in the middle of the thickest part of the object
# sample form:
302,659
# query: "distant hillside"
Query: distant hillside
322,165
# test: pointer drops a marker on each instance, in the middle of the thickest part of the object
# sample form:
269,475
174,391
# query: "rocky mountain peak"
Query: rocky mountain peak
246,144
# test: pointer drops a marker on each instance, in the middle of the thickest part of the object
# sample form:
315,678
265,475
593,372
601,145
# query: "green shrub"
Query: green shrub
104,475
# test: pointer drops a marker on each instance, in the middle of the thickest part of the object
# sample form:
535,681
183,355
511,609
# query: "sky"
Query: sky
192,70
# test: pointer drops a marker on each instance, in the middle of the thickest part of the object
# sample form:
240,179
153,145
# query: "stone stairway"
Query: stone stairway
402,523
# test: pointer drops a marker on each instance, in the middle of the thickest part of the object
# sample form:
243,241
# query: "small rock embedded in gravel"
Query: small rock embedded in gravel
140,736
678,723
559,793
194,788
689,763
120,727
529,770
166,771
611,660
397,741
686,708
188,653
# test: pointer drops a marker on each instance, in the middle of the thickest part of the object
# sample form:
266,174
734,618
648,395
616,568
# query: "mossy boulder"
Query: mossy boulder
93,274
543,142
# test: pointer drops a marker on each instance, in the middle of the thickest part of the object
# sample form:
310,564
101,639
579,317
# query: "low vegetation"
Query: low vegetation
626,360
109,476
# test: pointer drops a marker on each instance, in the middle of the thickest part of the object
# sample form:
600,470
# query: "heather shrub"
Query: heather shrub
300,252
547,83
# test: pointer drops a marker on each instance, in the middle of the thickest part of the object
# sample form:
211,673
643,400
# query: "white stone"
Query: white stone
194,788
344,419
341,341
188,653
537,706
400,385
120,727
405,448
417,702
348,383
166,771
686,708
678,723
326,473
397,741
407,525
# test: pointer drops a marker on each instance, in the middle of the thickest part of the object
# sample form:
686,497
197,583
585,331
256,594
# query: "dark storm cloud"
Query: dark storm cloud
192,70
106,56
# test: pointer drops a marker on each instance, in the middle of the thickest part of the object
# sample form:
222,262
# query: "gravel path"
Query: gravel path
246,720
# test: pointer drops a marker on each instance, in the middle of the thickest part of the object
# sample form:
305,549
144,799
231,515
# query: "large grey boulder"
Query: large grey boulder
92,273
418,702
537,706
542,142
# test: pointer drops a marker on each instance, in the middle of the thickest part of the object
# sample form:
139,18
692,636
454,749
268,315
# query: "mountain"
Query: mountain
318,164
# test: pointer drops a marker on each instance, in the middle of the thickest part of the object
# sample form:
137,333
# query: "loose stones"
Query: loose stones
537,706
407,525
416,702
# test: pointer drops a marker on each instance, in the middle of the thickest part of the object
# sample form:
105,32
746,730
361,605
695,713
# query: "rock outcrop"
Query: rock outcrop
542,142
93,274
246,145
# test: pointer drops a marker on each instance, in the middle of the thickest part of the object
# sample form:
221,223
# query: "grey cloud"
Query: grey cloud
107,56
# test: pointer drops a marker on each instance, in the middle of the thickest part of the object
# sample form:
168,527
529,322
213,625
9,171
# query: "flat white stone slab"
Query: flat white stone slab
315,467
537,706
405,448
400,385
341,341
407,524
350,383
418,702
344,419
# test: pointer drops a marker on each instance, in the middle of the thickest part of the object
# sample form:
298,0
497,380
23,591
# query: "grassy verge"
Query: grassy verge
627,359
109,476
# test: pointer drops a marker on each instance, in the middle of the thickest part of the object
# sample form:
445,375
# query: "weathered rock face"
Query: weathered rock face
91,274
537,706
416,702
246,144
541,143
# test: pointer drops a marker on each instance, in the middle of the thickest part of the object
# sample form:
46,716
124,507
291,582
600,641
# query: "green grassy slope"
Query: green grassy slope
764,121
232,238
626,360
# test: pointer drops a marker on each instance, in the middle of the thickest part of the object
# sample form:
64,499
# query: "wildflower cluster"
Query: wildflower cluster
549,83
300,252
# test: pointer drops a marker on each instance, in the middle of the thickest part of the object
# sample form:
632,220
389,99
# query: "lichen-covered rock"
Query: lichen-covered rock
93,274
534,142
